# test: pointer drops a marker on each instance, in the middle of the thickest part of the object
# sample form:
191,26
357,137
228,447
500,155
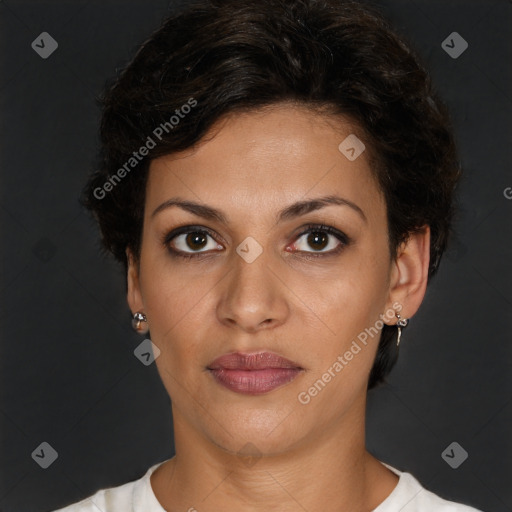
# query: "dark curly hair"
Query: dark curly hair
339,57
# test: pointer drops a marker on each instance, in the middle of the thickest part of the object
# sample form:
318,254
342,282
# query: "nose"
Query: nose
253,296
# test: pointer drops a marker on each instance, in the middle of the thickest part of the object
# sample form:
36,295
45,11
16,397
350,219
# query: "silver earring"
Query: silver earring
137,323
402,322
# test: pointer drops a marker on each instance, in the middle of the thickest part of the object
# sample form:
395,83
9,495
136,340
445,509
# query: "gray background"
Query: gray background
69,376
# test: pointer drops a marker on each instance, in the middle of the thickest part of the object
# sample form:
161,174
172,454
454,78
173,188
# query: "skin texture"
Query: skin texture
309,310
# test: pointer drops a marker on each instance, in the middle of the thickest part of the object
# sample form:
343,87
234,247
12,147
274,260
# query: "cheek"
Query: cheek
180,305
171,302
349,304
175,316
340,363
356,293
170,294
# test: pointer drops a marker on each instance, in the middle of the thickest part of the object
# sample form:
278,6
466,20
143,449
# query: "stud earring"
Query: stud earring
138,320
402,322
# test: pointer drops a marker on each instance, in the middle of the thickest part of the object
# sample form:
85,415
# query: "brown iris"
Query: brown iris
318,240
196,240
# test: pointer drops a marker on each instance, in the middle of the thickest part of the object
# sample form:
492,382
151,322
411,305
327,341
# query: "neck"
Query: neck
332,471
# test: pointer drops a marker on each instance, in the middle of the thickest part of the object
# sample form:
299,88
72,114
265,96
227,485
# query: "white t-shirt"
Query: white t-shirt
138,496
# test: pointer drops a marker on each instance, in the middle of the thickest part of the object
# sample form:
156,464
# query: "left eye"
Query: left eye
320,240
195,240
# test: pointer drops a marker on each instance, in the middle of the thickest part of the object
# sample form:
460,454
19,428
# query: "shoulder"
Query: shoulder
410,496
425,500
131,496
113,499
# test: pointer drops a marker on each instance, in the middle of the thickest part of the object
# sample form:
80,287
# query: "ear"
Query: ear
134,295
409,273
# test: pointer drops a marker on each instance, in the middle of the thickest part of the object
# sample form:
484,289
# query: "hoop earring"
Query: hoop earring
402,322
137,320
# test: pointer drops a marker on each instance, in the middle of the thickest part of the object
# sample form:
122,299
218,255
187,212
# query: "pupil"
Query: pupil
317,239
196,240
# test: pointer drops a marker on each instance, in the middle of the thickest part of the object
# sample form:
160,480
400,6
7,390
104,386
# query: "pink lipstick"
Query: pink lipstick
254,373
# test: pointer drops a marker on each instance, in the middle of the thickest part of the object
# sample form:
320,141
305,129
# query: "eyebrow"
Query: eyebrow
292,211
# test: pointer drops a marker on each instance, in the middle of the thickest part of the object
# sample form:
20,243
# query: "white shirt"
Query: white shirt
138,496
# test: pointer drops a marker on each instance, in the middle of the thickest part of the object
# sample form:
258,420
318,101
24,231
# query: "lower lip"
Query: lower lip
254,382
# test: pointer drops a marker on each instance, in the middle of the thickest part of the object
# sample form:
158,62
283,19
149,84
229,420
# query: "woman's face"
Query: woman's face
248,275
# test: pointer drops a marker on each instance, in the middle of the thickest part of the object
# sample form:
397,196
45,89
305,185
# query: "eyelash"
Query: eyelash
310,228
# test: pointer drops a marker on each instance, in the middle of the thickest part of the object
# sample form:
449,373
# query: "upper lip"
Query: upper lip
251,361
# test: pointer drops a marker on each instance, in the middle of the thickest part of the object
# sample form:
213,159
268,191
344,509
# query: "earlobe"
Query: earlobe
134,295
410,273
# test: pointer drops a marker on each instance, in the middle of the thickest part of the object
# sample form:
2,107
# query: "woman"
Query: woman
278,179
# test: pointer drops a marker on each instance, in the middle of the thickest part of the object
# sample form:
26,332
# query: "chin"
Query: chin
264,431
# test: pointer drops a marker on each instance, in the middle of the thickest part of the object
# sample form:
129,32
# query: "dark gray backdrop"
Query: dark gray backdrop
69,376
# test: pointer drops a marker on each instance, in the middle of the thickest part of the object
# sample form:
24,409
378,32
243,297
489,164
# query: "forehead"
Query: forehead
262,160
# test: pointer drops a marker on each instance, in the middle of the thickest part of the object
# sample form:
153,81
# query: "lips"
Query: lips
254,373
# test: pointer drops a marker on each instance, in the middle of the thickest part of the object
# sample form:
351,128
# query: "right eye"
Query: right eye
189,241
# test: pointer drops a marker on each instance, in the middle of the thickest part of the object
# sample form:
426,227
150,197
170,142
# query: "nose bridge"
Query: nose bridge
251,271
253,295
